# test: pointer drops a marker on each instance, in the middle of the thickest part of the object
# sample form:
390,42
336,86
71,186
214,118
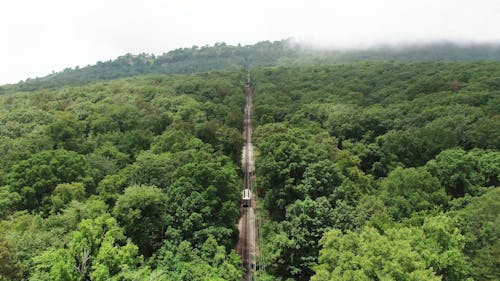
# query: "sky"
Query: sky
38,37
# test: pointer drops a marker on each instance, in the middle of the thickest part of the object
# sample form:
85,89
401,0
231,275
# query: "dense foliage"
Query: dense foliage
365,171
126,180
379,171
277,53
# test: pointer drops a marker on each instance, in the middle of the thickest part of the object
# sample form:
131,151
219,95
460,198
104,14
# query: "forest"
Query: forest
222,56
132,179
379,171
365,171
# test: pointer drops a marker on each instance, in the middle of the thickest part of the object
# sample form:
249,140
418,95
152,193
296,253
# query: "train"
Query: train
247,196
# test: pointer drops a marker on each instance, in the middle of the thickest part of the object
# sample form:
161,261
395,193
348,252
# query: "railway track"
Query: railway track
247,231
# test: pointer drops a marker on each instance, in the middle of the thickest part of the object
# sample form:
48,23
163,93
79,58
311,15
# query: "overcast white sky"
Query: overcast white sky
37,37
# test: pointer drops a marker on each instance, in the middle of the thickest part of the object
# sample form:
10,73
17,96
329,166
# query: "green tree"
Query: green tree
24,237
142,211
185,263
54,265
284,158
153,169
320,179
96,252
479,223
65,193
293,250
175,140
9,267
112,186
36,178
107,160
204,201
406,191
9,201
463,172
368,256
66,131
432,251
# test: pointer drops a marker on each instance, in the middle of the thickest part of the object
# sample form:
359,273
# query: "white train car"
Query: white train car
246,200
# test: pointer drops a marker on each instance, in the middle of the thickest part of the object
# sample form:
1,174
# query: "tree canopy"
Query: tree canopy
364,171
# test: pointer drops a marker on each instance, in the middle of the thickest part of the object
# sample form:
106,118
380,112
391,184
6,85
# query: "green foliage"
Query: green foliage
141,210
462,172
107,160
406,191
8,201
72,156
385,146
374,150
153,169
112,260
428,252
175,140
111,186
66,131
294,248
265,53
288,169
93,253
9,268
65,193
25,236
53,265
369,256
320,178
479,223
68,218
209,262
203,201
37,177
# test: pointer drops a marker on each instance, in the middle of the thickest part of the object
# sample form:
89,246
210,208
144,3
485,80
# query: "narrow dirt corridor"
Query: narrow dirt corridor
247,238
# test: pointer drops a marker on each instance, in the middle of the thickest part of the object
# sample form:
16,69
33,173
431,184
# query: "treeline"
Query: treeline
379,171
134,179
180,61
266,53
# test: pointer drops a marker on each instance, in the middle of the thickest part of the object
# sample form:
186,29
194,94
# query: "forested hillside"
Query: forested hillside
365,171
277,53
124,180
379,171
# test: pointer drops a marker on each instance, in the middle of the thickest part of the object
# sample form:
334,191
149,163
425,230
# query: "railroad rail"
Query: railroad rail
247,242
